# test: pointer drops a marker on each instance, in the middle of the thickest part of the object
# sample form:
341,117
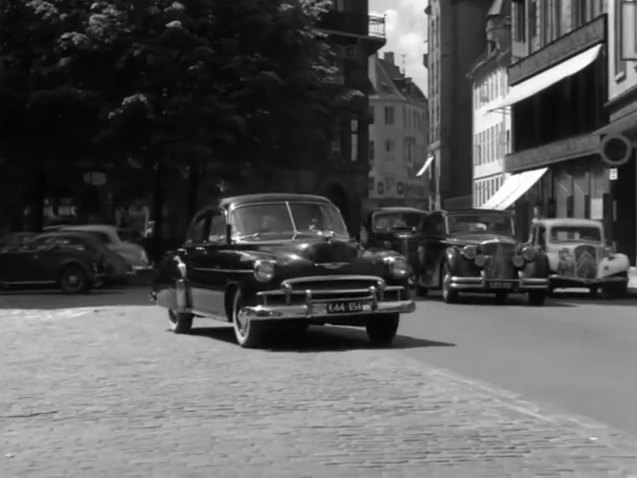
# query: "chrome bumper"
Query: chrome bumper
481,284
587,282
319,310
314,303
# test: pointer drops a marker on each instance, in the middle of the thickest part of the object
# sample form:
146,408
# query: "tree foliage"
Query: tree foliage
216,82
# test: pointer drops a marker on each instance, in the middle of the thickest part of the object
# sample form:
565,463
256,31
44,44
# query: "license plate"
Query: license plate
500,285
344,307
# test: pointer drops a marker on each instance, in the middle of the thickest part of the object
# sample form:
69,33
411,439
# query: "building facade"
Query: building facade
622,129
397,137
491,129
557,92
456,38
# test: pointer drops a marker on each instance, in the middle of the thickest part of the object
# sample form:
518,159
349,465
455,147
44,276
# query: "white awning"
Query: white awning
547,78
514,187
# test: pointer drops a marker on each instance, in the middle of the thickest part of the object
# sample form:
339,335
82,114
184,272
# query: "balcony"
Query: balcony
354,24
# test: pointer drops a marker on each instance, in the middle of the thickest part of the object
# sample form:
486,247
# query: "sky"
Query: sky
406,30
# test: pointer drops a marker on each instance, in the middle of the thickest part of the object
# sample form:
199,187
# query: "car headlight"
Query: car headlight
397,266
469,252
263,270
529,253
518,261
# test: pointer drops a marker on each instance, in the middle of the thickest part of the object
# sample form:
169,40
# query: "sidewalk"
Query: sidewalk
632,280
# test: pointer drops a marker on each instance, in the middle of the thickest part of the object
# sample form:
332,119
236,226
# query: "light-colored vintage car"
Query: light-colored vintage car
134,254
579,256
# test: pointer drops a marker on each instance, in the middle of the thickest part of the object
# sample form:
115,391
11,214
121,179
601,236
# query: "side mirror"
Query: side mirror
228,234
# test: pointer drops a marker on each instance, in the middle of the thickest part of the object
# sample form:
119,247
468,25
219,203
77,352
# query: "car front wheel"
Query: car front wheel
180,322
537,298
381,331
74,280
249,333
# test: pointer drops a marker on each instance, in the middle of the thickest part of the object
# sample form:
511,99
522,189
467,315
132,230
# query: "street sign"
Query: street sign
612,174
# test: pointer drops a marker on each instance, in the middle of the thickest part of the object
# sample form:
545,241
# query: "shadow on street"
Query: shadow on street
318,339
54,299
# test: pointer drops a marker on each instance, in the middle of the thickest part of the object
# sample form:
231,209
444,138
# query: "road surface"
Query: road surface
97,386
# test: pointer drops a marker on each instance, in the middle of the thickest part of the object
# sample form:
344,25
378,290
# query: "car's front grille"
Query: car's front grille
332,288
499,260
585,261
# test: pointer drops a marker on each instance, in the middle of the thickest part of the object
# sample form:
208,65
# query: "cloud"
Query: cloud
406,31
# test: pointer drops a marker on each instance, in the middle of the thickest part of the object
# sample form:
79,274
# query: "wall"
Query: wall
491,131
621,74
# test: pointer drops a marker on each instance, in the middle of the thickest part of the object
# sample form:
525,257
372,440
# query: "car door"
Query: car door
210,260
190,254
432,248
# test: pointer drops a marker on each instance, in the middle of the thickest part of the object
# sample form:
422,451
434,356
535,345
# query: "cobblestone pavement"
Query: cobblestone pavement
110,392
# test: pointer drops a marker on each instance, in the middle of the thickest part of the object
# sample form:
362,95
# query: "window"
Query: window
370,154
389,115
217,233
533,13
197,229
620,65
519,22
389,145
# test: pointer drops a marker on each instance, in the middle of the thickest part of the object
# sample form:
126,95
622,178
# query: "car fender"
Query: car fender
453,257
608,267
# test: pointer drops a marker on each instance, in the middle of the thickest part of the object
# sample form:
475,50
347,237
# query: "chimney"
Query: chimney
389,57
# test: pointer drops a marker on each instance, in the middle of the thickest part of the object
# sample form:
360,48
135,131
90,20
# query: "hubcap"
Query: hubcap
73,279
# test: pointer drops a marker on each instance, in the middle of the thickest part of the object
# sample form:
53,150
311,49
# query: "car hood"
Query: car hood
320,256
477,238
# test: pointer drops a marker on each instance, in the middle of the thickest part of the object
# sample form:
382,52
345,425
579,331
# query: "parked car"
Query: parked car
579,256
475,250
117,269
281,260
391,227
50,260
133,253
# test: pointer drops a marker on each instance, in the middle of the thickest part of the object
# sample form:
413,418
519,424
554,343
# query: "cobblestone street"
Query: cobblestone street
110,392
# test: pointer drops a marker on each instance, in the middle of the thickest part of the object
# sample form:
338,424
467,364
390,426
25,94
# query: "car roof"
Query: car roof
398,209
568,221
473,211
91,227
267,197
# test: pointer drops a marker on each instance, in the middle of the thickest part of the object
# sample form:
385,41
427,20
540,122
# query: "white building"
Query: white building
491,129
397,137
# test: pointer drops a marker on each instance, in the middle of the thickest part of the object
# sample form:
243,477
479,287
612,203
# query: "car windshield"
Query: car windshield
576,233
477,222
388,221
278,221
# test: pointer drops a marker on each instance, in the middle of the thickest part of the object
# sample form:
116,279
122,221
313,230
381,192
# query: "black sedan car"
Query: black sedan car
281,261
475,250
52,260
391,227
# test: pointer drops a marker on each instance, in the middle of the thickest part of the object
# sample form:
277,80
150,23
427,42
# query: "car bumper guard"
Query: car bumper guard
521,284
314,306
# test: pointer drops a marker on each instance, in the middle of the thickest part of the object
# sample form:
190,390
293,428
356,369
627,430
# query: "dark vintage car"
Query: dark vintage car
475,250
264,261
51,260
391,227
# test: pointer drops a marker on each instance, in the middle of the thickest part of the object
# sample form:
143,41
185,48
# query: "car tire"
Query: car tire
501,297
381,331
180,322
448,294
616,291
73,280
537,298
249,333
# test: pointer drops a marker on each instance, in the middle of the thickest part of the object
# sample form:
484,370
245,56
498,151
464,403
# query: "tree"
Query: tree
203,85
